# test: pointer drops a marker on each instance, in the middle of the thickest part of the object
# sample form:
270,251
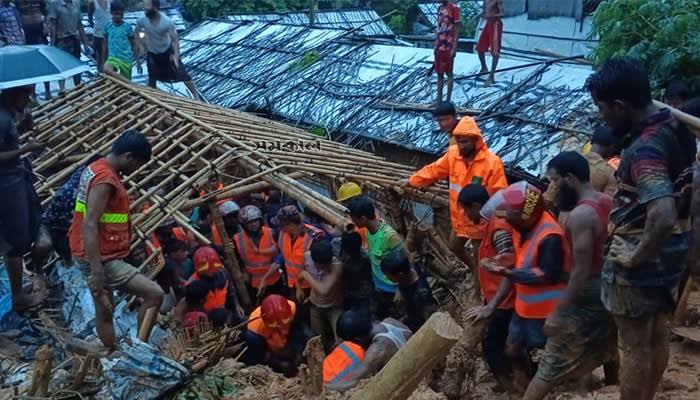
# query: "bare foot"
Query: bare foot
47,96
488,82
481,72
25,302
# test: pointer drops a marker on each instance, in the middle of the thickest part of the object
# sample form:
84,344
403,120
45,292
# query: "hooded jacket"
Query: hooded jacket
486,168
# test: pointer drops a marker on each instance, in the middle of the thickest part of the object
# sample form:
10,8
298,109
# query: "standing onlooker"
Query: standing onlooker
10,24
19,205
66,31
446,36
119,39
446,116
677,93
33,13
491,37
649,224
163,48
99,15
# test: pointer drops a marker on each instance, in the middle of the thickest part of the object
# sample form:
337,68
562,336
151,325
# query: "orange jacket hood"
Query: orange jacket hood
467,126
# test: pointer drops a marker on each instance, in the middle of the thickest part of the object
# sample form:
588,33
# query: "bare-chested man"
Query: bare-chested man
382,340
491,36
581,332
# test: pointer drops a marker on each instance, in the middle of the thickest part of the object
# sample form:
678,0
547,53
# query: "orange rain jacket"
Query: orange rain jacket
486,168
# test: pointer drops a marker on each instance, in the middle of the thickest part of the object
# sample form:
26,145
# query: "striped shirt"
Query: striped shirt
10,28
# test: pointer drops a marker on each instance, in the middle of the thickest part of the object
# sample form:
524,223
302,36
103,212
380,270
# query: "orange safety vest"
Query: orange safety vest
293,253
539,300
276,339
178,232
215,237
115,224
256,263
489,281
216,298
339,366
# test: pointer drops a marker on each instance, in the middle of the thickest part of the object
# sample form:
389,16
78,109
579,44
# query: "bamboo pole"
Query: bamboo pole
234,268
41,372
413,362
234,190
147,324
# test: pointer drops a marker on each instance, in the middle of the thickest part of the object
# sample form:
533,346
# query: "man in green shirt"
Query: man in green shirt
381,240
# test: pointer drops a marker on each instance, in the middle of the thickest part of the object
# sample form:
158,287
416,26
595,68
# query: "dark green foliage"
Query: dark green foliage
663,34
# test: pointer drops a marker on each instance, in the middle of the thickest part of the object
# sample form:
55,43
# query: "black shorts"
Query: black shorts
70,44
162,69
34,34
19,214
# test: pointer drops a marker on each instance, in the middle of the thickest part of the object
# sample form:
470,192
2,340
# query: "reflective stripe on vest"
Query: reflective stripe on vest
455,187
538,301
342,357
105,218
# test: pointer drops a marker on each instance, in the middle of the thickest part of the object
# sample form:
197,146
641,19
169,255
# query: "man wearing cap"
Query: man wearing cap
346,192
468,161
542,263
256,247
229,213
294,241
274,336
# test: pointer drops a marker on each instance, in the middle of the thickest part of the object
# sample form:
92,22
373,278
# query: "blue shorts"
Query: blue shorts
526,334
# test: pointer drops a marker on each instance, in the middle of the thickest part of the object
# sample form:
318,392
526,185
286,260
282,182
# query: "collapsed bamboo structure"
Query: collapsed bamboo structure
193,142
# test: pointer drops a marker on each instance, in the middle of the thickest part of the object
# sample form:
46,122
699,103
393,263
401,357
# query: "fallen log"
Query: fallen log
405,371
311,371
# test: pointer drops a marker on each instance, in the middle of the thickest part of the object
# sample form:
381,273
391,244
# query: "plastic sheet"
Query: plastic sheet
140,372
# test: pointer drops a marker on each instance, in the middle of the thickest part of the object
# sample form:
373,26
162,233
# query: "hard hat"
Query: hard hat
250,213
522,202
228,207
276,311
347,191
467,126
206,261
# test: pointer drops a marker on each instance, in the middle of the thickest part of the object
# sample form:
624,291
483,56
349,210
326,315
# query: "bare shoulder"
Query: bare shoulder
581,217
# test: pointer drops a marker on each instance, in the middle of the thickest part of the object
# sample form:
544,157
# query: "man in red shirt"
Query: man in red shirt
446,35
491,37
100,235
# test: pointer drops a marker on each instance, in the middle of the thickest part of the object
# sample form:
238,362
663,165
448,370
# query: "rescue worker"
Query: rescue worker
542,262
100,234
469,161
382,240
581,332
229,213
274,336
346,192
499,296
257,249
344,361
384,338
209,268
294,241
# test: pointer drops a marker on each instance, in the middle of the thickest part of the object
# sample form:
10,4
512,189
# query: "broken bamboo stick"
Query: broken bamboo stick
407,368
41,372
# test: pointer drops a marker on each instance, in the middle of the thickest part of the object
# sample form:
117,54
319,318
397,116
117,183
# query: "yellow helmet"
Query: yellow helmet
347,191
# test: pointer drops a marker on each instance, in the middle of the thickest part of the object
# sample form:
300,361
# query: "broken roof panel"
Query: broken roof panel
360,91
365,22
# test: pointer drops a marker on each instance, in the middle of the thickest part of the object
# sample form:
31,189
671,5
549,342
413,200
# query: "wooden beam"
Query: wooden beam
407,368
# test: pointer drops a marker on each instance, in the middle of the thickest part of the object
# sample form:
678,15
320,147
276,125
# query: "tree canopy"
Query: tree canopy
663,34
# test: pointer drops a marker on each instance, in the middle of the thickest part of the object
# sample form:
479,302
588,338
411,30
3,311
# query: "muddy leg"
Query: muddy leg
659,342
636,356
537,389
457,246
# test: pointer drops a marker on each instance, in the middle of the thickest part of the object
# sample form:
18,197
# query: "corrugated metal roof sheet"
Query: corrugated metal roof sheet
315,77
366,22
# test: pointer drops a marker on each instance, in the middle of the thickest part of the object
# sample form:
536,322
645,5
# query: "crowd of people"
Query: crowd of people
115,44
565,277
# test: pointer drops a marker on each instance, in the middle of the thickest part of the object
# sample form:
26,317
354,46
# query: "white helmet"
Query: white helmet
228,207
250,213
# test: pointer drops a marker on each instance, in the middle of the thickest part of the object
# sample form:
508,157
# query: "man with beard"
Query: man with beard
163,48
468,161
649,224
542,263
581,332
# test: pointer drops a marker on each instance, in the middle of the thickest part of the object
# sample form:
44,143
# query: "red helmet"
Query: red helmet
522,204
276,311
206,261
